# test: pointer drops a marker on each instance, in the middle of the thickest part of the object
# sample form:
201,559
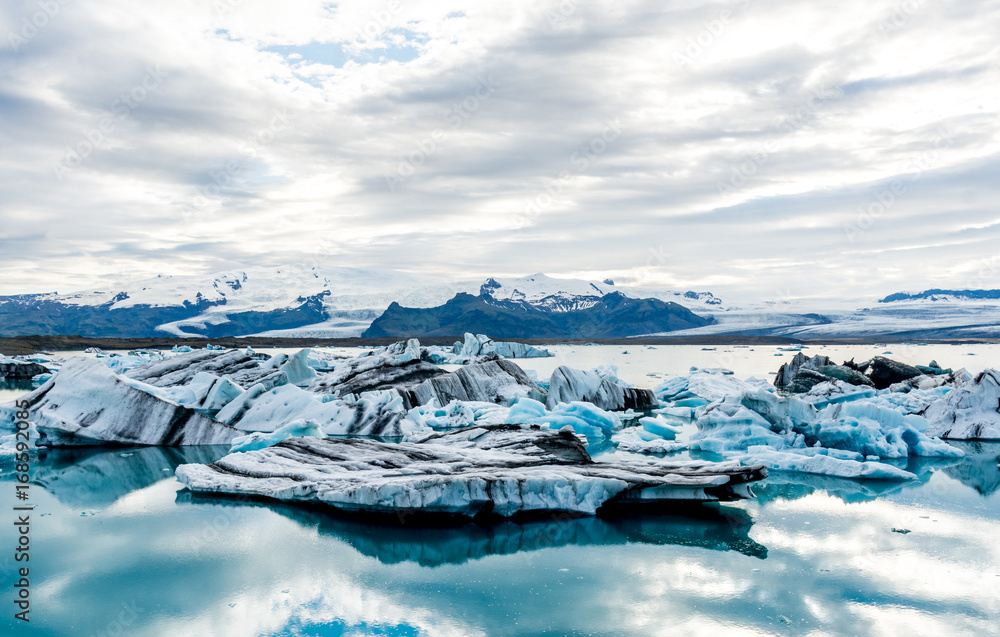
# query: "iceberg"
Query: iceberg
570,385
823,462
373,373
659,427
584,418
499,470
13,368
636,440
87,403
852,420
703,387
970,412
455,415
181,369
476,345
499,381
259,440
266,410
295,367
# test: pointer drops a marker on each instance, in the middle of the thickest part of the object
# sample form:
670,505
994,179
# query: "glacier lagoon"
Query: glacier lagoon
120,547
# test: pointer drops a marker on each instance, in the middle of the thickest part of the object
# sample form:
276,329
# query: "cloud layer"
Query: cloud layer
776,149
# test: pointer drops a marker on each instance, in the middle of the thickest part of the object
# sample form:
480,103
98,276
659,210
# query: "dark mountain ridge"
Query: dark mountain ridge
612,315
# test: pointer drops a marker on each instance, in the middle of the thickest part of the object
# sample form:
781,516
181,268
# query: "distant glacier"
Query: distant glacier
349,302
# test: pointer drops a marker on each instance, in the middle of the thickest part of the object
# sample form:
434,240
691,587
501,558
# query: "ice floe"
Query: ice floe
499,470
259,440
570,385
87,403
827,462
839,425
970,412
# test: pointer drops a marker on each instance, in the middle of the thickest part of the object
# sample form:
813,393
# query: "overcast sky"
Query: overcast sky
781,147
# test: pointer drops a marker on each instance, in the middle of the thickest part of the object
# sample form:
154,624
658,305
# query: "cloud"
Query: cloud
738,142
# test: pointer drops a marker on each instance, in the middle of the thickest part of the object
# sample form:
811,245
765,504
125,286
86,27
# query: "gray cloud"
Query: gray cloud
802,114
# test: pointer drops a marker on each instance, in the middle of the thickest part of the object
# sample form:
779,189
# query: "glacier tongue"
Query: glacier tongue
500,470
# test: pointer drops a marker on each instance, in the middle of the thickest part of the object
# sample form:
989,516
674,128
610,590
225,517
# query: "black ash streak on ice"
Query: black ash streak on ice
500,470
482,469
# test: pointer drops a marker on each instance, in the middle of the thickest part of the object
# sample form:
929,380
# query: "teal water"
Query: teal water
118,546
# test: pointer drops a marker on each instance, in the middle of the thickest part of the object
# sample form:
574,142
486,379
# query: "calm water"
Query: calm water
119,547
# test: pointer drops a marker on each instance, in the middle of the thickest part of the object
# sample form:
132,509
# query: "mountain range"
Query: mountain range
609,316
350,302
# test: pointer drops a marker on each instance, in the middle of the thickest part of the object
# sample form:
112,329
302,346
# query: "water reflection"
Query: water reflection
710,526
95,477
19,385
217,566
979,470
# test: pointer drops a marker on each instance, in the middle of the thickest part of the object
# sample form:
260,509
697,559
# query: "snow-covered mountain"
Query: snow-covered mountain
565,295
344,302
944,296
290,302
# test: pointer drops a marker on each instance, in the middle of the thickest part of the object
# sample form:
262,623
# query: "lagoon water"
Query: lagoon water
118,546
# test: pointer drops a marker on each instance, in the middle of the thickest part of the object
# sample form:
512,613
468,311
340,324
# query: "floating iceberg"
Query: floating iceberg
456,414
259,440
703,387
14,368
970,412
476,345
87,403
499,470
179,370
373,373
659,427
823,462
636,440
857,421
584,418
499,381
571,385
266,410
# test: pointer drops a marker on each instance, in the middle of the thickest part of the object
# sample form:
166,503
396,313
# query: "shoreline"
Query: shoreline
14,345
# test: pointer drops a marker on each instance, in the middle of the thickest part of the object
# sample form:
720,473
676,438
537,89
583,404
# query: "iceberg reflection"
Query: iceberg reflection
96,477
710,526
